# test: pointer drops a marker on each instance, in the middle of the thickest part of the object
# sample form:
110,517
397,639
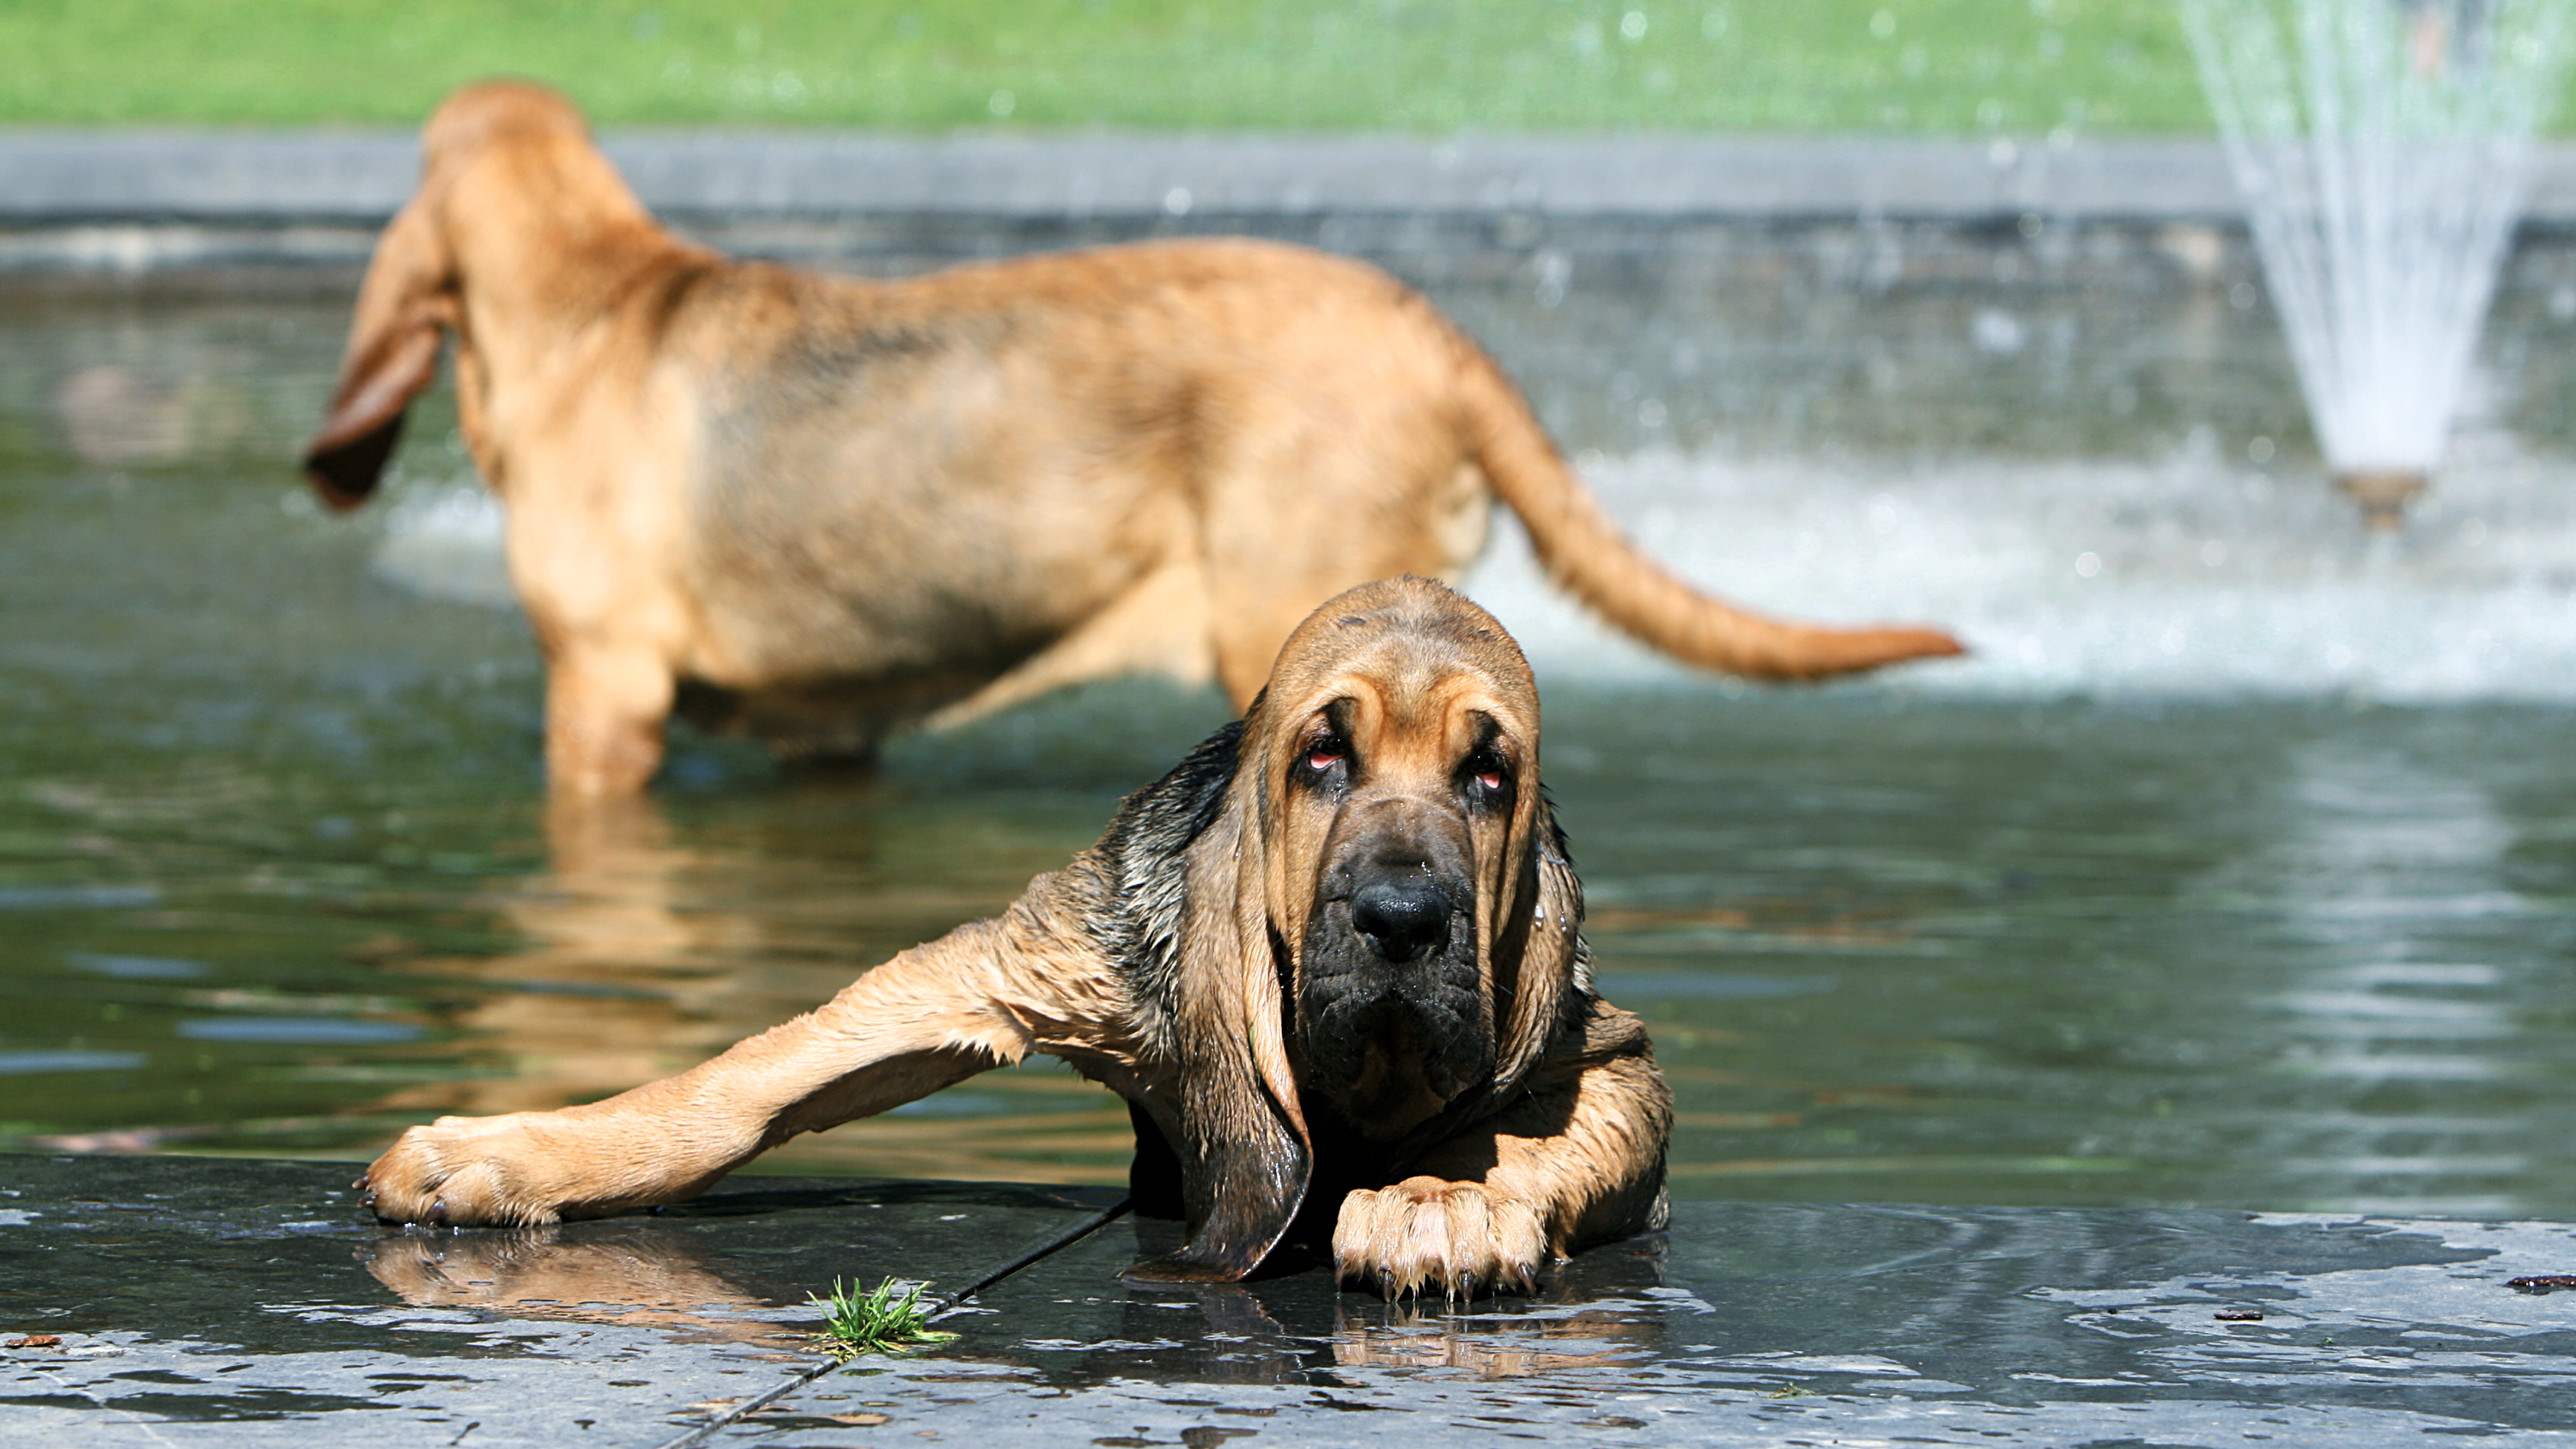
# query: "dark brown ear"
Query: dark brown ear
403,306
1541,952
1242,1140
1243,1178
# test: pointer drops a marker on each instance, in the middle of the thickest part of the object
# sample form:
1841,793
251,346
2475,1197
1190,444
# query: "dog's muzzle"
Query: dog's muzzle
1391,1006
1402,919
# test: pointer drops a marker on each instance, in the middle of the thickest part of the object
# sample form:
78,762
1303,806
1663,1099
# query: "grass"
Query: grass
1428,66
880,1320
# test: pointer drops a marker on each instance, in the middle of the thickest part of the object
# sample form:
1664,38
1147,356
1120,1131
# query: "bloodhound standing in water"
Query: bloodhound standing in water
1334,962
815,509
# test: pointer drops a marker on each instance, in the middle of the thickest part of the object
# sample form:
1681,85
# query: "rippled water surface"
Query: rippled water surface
2239,869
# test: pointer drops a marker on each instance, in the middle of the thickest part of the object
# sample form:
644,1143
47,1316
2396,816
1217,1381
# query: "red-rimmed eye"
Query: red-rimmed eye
1323,757
1490,779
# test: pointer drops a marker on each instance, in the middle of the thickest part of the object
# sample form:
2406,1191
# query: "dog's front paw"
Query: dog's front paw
1426,1233
472,1170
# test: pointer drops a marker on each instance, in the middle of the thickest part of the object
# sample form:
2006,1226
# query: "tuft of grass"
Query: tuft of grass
883,1319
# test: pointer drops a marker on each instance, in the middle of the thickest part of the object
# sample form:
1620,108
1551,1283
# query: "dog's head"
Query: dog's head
1402,822
494,158
1405,929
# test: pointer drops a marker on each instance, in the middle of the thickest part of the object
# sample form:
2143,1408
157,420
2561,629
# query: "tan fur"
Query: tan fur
835,507
1564,1145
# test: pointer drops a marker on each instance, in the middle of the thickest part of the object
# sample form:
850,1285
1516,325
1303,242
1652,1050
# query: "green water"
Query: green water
275,876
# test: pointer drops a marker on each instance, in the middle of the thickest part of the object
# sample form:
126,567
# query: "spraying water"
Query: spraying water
2383,148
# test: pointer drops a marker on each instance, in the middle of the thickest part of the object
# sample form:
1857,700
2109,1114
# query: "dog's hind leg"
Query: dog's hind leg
1160,625
605,713
983,996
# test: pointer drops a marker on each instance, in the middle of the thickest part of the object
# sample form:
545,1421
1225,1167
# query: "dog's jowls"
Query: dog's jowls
814,509
1333,961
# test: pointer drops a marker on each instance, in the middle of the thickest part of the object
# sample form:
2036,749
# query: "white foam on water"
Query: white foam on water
2182,576
443,541
2186,576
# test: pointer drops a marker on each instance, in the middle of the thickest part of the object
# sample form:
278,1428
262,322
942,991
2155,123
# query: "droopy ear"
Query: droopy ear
1541,951
1243,1178
1244,1159
393,353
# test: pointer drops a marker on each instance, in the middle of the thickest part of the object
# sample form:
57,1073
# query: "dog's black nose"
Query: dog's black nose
1403,919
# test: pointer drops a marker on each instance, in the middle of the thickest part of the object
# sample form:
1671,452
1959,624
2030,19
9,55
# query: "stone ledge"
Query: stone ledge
63,177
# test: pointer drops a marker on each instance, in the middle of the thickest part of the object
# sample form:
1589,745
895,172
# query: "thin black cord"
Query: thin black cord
948,1303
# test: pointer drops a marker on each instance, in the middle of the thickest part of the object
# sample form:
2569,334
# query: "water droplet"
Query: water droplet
2087,564
1996,332
1176,202
1002,103
1633,25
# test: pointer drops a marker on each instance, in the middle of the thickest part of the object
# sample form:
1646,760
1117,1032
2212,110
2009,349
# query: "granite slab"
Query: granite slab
210,1301
66,176
221,1302
1769,1324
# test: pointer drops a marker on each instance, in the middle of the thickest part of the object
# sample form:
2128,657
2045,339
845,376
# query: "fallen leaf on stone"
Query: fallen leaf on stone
864,1421
717,1403
37,1340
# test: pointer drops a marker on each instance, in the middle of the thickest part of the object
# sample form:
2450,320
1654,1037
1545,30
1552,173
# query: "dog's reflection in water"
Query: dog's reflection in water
634,1274
1285,1330
1592,1312
1246,1340
1488,1347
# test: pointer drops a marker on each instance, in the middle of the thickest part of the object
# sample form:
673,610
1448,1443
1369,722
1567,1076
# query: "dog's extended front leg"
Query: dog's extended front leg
982,996
605,713
1577,1158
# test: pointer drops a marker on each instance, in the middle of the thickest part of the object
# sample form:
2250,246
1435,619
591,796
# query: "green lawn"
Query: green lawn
1940,66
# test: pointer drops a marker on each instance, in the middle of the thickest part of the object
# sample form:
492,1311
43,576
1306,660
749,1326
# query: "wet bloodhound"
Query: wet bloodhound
815,509
1333,961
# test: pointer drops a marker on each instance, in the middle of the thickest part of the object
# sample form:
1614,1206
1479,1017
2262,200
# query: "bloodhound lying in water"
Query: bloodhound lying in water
1334,962
814,509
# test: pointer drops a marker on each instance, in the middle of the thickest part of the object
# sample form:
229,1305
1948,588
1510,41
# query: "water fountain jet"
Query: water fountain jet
2383,147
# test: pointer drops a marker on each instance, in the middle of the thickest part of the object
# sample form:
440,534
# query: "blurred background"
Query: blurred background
2236,867
1425,67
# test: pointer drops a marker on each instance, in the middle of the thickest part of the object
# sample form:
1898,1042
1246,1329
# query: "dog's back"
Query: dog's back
816,509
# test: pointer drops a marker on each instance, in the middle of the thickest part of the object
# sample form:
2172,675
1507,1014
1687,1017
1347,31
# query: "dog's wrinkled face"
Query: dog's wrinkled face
1403,791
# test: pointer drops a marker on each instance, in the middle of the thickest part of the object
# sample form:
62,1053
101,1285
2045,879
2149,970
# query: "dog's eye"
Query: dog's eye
1489,771
1325,754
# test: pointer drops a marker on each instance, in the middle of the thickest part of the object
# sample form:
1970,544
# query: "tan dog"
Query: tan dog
1333,961
815,509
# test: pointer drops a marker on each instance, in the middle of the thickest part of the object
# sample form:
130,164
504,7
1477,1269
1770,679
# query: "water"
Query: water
2160,899
2383,148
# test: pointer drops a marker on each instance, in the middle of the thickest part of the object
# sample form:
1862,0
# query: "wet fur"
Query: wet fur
816,509
1449,1128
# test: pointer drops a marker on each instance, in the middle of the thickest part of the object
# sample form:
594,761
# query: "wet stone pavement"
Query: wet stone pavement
219,1302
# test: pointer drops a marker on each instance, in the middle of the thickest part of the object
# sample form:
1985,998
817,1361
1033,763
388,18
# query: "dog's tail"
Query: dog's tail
1587,556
